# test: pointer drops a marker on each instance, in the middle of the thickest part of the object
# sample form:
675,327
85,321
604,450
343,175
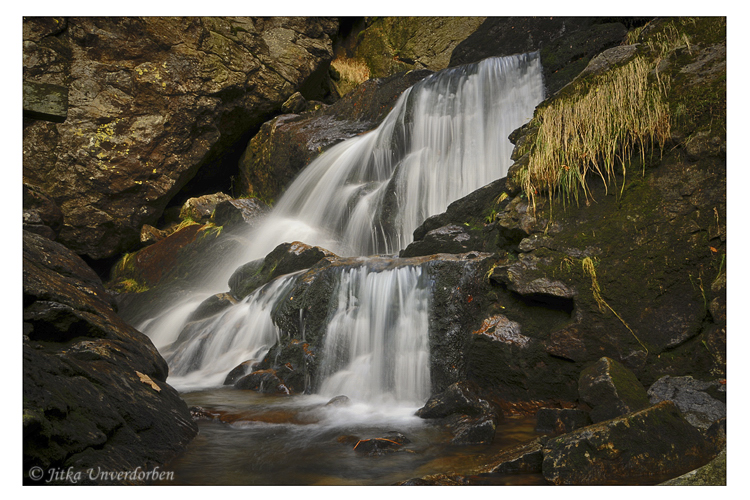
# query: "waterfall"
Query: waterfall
446,137
376,345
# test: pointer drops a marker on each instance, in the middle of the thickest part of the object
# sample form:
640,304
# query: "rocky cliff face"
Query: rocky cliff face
150,102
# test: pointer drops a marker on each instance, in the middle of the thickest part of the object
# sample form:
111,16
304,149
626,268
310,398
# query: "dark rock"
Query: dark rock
471,419
150,234
391,442
264,381
211,306
241,212
238,372
152,101
644,447
691,397
447,239
560,421
284,259
524,458
611,390
94,390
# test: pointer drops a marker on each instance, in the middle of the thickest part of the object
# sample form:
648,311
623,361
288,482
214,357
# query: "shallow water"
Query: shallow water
257,439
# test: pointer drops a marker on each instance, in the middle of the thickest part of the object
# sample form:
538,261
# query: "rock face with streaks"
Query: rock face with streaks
151,102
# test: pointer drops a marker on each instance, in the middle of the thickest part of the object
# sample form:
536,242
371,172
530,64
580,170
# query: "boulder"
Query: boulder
94,389
713,473
643,447
471,419
151,102
239,213
211,306
201,208
238,372
695,399
264,381
41,215
284,259
525,458
611,390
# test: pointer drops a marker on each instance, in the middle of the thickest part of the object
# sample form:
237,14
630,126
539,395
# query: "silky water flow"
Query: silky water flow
446,137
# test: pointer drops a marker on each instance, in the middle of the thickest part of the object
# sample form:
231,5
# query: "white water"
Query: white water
446,137
376,345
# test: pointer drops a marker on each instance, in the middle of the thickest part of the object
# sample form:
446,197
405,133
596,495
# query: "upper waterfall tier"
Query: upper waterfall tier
446,137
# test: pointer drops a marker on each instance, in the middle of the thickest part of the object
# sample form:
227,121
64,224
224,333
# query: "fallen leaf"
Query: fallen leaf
147,380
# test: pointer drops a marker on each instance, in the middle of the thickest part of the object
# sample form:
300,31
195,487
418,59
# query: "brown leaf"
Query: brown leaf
147,380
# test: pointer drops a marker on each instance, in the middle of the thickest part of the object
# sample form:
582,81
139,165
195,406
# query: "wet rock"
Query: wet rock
201,208
524,458
560,420
284,259
611,390
500,329
150,234
211,306
692,397
471,419
339,401
389,443
239,371
94,388
264,381
637,448
241,212
446,239
295,104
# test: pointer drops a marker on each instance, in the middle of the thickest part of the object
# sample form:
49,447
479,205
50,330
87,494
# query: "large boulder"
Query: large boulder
151,101
643,447
94,392
702,403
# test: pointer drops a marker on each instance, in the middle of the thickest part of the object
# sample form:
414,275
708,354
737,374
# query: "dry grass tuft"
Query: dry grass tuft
621,112
352,72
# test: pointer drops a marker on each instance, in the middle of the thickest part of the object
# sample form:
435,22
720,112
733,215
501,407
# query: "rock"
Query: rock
211,306
295,104
560,421
94,390
566,44
239,371
435,480
500,329
339,401
642,447
471,419
447,239
524,458
264,381
607,59
284,259
41,215
242,212
44,101
201,209
611,390
151,102
285,145
391,442
692,398
713,473
391,45
150,234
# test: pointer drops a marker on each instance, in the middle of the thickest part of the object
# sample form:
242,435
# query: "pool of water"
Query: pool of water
249,438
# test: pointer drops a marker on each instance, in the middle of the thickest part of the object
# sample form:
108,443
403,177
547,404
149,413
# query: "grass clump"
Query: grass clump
620,112
350,73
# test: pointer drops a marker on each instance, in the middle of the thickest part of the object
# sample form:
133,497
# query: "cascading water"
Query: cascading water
376,345
446,137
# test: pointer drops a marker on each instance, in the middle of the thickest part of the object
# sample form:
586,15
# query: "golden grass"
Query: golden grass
352,72
596,131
